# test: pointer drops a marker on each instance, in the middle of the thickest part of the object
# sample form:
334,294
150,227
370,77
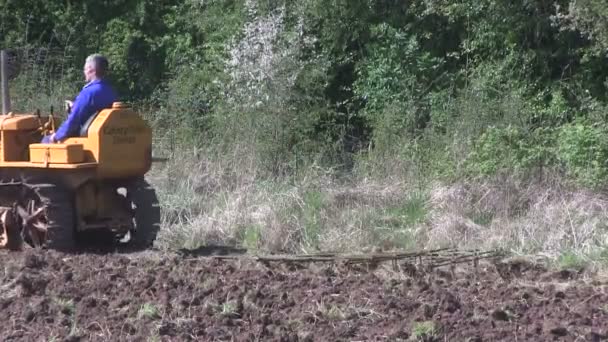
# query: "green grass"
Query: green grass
314,202
602,255
422,331
334,313
482,218
229,308
75,331
66,306
251,237
148,310
571,260
394,227
414,209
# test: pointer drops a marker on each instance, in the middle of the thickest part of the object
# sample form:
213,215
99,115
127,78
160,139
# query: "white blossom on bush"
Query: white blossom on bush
263,61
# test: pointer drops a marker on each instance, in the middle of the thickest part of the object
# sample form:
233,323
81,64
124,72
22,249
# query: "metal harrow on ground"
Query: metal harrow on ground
431,259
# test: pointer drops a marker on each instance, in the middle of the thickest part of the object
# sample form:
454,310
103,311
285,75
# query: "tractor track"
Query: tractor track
219,294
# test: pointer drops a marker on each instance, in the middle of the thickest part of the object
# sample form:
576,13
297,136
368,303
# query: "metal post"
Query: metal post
6,99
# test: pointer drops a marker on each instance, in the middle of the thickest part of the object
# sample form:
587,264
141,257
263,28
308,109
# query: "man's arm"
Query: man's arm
71,125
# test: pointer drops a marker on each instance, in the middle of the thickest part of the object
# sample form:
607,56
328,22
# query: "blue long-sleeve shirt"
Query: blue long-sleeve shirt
94,96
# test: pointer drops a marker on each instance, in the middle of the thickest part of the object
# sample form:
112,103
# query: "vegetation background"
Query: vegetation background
348,124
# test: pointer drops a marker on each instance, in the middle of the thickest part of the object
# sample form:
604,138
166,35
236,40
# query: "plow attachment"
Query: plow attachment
19,226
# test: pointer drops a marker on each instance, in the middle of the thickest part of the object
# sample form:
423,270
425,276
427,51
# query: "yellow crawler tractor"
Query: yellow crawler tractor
58,195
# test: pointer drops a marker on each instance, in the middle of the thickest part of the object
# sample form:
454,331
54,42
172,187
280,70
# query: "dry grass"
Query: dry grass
222,202
227,202
520,217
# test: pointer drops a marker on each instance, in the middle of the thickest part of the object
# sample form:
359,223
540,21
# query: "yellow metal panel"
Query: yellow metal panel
56,153
120,141
15,145
90,148
25,165
19,122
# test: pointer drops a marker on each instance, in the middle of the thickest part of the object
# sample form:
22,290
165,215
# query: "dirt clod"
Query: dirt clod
559,331
500,315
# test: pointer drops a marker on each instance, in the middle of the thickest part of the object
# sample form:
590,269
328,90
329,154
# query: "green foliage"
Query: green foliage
583,150
588,17
229,308
252,237
334,313
312,209
413,211
395,227
430,89
66,306
423,331
571,260
137,66
394,70
511,148
149,311
37,88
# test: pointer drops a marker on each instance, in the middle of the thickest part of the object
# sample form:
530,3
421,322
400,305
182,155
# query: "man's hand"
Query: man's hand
52,138
68,106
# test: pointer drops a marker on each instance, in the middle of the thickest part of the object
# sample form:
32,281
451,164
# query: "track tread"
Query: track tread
147,215
60,215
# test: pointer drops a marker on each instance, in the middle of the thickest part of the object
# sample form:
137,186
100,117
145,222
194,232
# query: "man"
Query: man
96,95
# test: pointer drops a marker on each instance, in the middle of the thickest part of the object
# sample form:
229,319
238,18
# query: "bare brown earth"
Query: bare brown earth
48,296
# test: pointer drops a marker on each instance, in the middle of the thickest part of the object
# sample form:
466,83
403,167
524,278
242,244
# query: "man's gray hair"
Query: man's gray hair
99,62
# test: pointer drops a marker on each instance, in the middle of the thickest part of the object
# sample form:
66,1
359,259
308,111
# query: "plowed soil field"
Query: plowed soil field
48,296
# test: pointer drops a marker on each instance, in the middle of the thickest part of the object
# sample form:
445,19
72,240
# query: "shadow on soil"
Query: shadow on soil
212,250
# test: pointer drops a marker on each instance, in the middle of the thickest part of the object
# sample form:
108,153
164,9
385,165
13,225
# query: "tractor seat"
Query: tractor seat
84,130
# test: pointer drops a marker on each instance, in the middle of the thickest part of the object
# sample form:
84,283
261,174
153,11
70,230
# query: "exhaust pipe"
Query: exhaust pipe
6,99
